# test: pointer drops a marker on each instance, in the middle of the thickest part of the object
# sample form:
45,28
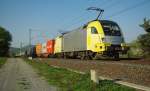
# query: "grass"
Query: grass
2,61
71,81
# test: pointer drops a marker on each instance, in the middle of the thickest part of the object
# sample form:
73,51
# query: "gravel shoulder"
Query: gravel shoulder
17,75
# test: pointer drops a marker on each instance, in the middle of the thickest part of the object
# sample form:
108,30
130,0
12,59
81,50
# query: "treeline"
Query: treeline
5,41
141,46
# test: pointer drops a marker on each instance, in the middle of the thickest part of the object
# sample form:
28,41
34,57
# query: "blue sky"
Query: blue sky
47,17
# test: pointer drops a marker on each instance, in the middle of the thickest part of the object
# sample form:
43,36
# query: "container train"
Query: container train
102,38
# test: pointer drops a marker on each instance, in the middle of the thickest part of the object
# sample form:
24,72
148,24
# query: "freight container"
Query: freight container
38,49
44,50
50,47
58,45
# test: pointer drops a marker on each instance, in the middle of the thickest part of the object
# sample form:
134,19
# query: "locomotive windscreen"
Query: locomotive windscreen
110,28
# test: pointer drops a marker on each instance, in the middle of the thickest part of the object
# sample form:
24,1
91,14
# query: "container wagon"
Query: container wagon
44,50
38,49
50,48
47,49
58,47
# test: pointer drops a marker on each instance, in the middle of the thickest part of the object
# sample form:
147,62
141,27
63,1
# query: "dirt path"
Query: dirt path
17,75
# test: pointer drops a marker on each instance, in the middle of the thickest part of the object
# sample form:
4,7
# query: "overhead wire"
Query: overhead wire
104,3
110,6
130,8
41,35
70,21
113,4
81,19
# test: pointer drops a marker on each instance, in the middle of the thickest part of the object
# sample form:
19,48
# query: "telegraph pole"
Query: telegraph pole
20,48
29,40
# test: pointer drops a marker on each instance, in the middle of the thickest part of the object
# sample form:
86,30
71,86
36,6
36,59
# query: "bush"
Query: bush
135,50
144,41
5,39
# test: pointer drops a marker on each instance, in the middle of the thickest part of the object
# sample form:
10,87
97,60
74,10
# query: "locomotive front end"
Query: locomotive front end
106,38
113,39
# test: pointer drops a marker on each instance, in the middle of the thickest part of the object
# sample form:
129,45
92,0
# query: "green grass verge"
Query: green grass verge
2,61
71,81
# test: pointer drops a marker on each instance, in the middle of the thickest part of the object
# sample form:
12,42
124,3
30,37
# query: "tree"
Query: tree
146,25
5,40
135,49
144,39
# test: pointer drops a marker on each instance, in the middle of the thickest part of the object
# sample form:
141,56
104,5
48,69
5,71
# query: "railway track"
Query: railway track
108,60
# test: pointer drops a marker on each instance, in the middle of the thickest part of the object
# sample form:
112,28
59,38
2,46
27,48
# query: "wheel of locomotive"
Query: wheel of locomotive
92,56
82,55
87,56
116,56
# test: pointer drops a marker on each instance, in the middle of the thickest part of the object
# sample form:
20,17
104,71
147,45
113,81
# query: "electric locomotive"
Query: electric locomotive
96,38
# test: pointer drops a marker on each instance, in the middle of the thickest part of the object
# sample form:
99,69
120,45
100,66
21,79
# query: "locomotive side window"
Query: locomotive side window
94,30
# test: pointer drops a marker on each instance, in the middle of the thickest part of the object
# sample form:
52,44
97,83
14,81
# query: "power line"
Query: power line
76,18
81,19
129,8
105,2
113,4
115,14
39,36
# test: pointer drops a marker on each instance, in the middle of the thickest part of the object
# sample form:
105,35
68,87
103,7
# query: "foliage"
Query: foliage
2,61
71,81
144,41
135,50
5,39
146,25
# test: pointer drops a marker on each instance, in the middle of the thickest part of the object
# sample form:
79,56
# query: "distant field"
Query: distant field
71,81
2,61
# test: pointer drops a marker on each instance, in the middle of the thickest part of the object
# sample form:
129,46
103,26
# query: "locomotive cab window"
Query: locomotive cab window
111,28
94,30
